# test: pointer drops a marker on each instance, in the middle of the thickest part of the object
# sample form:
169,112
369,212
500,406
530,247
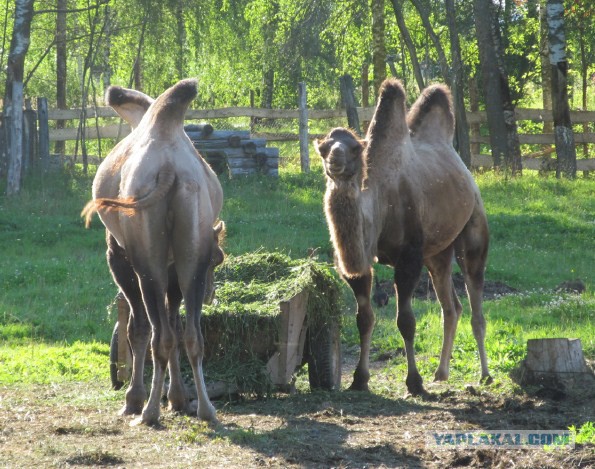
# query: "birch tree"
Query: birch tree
13,101
564,135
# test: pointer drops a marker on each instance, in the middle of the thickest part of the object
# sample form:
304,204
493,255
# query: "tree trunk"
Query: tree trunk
348,98
365,94
378,46
500,111
564,135
544,55
398,8
13,100
458,88
474,106
60,67
181,42
424,14
584,83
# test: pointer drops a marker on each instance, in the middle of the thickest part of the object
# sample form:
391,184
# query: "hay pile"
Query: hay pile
241,327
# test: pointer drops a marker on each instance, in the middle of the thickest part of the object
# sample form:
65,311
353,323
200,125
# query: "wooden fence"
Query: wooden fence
117,129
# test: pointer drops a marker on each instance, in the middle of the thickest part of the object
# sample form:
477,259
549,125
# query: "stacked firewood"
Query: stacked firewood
233,152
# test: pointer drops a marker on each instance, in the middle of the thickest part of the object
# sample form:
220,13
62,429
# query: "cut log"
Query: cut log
204,130
244,144
557,366
555,356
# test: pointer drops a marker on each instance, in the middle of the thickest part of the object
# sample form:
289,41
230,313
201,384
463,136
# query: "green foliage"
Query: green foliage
234,47
585,434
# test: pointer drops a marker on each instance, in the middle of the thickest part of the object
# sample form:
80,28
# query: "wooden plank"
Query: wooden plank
292,333
107,131
75,114
537,139
536,115
485,161
364,113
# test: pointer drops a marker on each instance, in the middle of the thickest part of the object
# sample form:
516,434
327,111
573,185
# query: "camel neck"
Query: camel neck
346,223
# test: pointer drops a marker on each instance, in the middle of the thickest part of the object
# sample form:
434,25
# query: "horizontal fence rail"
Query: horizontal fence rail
118,129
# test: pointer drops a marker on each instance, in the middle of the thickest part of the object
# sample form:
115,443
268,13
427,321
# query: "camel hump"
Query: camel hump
169,109
431,117
131,105
389,119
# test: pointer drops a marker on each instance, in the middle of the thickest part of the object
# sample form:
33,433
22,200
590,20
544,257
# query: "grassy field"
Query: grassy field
57,312
56,294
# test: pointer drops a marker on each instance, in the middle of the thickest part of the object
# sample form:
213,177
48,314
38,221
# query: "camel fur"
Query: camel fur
403,197
160,202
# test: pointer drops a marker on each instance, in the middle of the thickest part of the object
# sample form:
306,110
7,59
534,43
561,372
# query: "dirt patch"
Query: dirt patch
77,425
425,289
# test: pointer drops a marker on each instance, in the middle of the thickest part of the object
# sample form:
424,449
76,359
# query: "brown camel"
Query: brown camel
403,197
160,201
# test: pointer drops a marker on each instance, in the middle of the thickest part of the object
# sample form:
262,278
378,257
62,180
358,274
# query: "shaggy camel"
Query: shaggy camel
160,201
402,197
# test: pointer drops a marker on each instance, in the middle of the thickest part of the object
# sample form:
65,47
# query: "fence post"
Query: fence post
29,136
304,151
348,98
44,133
16,140
3,144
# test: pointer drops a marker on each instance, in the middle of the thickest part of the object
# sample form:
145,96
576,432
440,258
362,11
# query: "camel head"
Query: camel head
217,257
341,152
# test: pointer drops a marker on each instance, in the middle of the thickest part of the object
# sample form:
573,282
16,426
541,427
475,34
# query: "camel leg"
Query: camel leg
138,326
407,272
441,272
162,340
362,287
194,341
471,249
176,395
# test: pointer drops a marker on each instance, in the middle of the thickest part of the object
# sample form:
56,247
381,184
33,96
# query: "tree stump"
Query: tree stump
556,364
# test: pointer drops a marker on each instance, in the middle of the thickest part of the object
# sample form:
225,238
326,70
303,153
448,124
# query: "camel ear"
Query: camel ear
322,148
219,228
131,105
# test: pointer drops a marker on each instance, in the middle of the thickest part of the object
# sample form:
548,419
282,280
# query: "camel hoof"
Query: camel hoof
207,413
361,387
441,376
139,421
486,380
415,385
180,408
130,410
193,407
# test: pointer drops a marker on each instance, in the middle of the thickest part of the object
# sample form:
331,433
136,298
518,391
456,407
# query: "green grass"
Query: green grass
56,292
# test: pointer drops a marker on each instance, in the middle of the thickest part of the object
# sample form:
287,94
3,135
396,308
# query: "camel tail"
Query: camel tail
431,117
130,205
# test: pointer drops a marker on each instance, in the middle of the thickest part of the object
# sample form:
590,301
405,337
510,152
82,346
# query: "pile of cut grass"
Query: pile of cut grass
242,326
